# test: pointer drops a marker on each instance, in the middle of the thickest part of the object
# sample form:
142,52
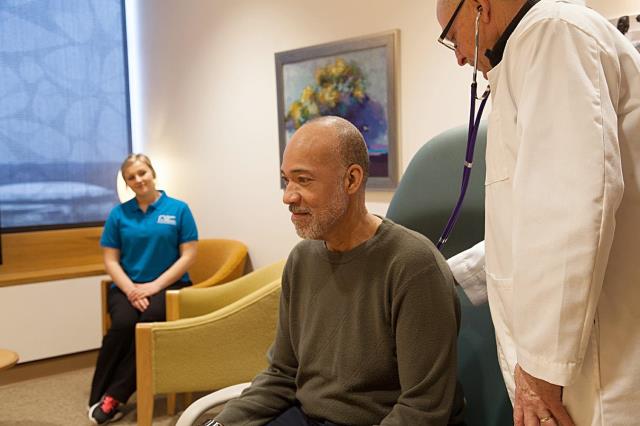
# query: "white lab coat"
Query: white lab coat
562,229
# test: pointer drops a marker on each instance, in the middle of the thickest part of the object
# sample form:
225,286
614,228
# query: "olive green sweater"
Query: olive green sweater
365,337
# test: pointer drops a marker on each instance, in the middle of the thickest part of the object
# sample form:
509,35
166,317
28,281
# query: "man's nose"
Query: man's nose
290,195
462,60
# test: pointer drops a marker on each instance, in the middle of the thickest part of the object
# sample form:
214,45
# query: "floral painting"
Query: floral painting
629,25
350,80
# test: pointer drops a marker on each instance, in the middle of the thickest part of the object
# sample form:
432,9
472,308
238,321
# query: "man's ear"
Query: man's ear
353,178
484,6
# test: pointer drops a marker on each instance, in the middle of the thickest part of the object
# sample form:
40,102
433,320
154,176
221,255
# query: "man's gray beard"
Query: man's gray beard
322,221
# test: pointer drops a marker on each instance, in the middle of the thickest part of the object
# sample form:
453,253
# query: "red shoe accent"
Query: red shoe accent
108,404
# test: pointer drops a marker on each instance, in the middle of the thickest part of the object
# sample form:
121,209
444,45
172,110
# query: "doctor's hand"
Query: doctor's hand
538,402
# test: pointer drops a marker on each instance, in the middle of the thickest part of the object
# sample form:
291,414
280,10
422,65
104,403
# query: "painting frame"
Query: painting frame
387,41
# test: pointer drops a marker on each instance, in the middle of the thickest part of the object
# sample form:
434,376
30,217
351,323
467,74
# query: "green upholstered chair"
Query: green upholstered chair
423,201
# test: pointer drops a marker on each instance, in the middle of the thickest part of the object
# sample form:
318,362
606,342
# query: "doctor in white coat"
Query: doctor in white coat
562,230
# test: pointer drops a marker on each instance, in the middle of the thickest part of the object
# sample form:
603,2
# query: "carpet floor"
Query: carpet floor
61,400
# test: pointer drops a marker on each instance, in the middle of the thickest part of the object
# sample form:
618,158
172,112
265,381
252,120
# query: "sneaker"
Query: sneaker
105,411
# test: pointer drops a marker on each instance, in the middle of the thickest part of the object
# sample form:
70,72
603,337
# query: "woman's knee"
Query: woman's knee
121,321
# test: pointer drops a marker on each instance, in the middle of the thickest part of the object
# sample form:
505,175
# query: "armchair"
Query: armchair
226,345
217,261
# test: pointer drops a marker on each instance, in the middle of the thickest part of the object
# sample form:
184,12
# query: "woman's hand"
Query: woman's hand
141,304
143,291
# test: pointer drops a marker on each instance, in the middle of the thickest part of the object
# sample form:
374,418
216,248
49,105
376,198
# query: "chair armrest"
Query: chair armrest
210,351
207,402
232,268
191,302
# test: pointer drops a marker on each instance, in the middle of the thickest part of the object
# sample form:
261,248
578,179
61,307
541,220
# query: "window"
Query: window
64,111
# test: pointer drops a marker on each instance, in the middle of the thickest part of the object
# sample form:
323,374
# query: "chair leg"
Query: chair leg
145,410
188,399
144,391
171,404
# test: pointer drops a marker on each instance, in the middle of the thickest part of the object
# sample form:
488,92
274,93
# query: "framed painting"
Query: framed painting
354,79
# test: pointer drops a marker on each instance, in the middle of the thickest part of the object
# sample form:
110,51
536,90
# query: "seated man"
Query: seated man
368,312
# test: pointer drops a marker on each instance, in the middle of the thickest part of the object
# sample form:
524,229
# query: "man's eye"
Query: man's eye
303,180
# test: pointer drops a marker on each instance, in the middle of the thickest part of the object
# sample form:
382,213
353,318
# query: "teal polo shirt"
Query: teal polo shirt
149,243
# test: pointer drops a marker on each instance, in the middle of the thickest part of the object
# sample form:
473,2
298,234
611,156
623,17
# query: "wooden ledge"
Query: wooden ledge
31,257
52,274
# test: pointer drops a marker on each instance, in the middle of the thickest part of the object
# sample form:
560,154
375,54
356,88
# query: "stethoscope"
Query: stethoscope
472,135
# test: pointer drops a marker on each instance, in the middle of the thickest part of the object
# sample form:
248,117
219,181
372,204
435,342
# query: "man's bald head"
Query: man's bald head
349,145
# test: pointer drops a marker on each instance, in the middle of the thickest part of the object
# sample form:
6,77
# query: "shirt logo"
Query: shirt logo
167,219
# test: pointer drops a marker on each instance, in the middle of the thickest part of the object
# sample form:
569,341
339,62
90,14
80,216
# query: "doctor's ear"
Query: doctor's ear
484,7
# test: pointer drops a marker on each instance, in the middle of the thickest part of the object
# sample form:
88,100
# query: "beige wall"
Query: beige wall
615,8
48,319
207,112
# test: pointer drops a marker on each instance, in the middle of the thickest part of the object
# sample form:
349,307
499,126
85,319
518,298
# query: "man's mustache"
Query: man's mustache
298,210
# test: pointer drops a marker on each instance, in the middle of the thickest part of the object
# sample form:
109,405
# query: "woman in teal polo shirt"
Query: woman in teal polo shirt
149,243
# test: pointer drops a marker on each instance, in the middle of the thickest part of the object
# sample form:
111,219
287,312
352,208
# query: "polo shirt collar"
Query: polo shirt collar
495,54
152,206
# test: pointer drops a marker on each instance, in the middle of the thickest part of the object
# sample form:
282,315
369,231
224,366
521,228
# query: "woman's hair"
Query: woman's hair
132,158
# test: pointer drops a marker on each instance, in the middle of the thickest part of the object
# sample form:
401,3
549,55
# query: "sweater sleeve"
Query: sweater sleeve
273,390
425,318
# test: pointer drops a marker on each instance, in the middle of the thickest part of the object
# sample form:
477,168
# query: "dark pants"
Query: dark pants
115,373
295,417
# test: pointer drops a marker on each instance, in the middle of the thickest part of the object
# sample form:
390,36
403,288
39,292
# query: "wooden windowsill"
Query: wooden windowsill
31,257
52,274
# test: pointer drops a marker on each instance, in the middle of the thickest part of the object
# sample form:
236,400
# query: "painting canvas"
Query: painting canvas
353,79
629,25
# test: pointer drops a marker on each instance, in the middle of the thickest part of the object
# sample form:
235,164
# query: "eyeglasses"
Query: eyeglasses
443,37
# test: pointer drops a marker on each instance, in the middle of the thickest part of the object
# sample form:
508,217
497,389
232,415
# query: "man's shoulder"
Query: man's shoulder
408,238
406,256
407,246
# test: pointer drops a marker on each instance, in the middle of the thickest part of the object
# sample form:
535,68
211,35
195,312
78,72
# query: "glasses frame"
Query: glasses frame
443,36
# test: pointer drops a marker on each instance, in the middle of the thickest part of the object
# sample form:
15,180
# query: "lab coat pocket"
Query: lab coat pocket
495,154
500,292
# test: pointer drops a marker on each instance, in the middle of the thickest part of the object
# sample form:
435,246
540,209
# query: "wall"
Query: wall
209,118
208,98
615,8
43,320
